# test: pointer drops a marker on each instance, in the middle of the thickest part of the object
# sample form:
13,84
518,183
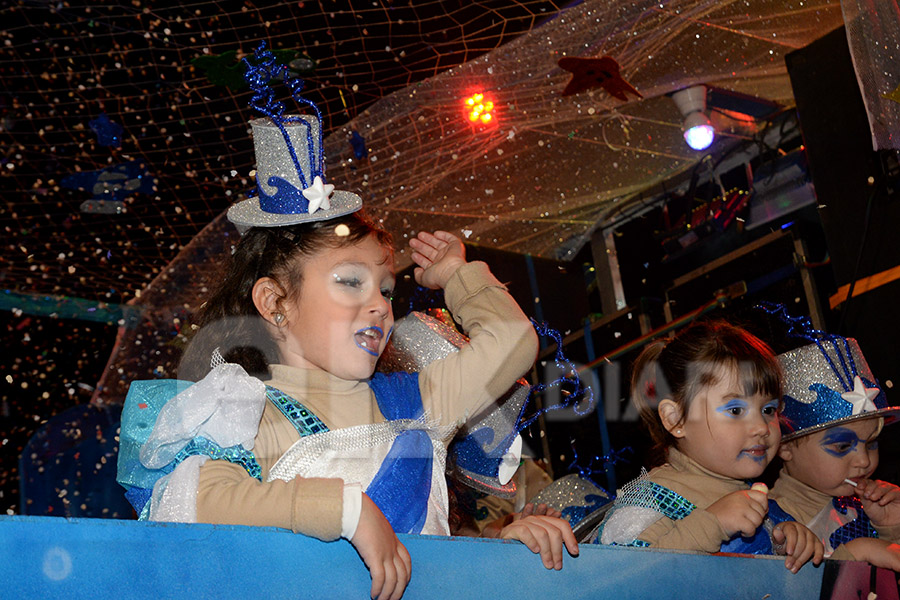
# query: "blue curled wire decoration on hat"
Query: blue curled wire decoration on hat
573,398
801,327
258,77
591,469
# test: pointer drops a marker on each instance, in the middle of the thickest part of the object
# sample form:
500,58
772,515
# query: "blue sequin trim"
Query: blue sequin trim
200,446
671,504
304,421
857,528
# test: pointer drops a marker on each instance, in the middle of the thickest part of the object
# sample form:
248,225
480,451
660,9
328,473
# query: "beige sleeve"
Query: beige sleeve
842,553
503,346
890,533
227,494
699,531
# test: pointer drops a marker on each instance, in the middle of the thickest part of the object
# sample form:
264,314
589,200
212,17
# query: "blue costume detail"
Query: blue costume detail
576,514
401,487
305,422
859,527
200,446
403,483
647,494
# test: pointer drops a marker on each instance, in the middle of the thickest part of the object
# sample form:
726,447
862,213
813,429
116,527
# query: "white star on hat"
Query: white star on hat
861,397
318,194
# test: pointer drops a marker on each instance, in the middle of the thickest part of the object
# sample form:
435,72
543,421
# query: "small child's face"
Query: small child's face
823,460
341,319
730,433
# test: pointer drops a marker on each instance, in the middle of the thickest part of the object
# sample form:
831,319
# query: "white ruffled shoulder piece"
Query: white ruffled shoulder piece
355,455
633,511
224,407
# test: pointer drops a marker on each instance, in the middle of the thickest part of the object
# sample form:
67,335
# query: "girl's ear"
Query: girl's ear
670,415
785,451
266,295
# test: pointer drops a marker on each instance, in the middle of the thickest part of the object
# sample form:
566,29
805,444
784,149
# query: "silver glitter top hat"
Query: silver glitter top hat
290,161
827,383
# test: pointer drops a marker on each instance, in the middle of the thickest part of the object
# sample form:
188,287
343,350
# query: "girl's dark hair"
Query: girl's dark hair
229,321
680,368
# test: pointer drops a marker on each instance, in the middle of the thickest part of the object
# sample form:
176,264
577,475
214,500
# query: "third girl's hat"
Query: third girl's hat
290,162
828,383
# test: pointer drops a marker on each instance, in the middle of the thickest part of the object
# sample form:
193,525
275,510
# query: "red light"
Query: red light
478,109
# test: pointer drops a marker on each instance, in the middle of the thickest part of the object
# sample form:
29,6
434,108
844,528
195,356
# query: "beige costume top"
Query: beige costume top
814,509
503,346
699,530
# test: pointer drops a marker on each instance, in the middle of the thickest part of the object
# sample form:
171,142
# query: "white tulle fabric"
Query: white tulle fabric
355,454
175,495
224,407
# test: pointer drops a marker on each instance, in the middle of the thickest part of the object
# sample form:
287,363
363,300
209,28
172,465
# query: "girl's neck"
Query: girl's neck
312,377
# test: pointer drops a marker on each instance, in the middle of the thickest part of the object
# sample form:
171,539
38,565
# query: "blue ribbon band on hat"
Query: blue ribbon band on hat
288,200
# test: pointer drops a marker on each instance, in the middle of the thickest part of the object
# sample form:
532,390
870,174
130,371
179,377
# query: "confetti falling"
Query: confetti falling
375,73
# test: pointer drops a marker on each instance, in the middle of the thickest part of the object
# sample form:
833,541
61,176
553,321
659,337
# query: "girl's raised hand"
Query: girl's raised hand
741,512
880,500
545,536
387,559
798,543
438,256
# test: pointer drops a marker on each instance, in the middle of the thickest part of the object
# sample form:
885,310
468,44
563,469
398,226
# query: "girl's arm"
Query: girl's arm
702,530
699,531
503,344
227,494
880,553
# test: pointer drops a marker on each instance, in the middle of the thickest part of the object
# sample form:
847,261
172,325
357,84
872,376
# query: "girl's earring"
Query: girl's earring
278,318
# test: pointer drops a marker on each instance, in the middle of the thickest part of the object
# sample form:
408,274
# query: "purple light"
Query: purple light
700,137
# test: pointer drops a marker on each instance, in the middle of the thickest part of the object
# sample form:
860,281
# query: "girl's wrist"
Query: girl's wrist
450,269
352,509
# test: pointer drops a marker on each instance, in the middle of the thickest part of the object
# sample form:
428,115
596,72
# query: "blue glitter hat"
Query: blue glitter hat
827,383
290,162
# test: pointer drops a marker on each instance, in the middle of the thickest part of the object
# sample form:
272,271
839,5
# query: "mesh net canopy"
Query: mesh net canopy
125,129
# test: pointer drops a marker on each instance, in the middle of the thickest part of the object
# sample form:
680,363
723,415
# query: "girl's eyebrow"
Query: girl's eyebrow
839,434
731,403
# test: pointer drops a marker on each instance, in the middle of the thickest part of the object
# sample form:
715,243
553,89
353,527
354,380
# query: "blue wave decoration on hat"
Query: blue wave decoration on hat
288,200
828,407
